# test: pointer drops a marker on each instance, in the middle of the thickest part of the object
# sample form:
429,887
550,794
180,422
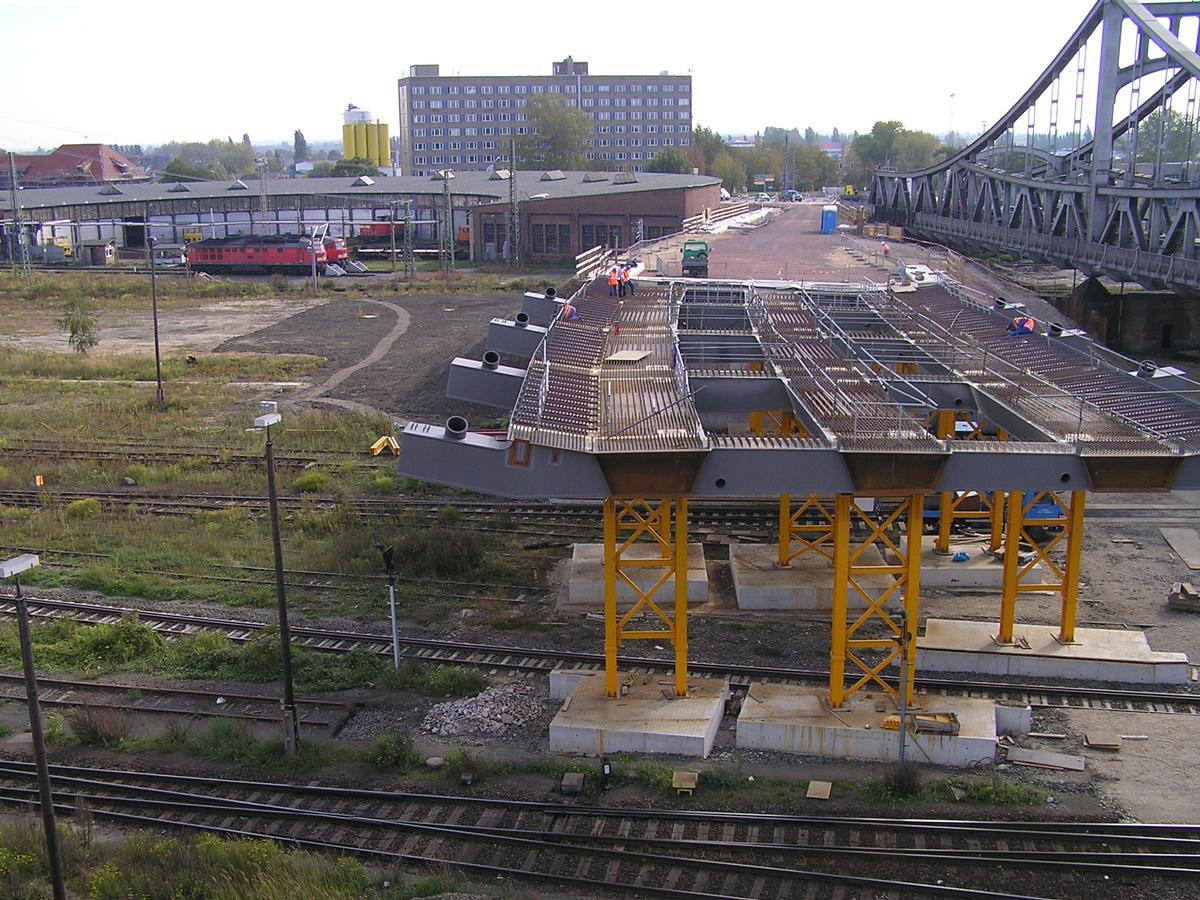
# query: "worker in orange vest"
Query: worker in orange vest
626,282
1021,325
612,281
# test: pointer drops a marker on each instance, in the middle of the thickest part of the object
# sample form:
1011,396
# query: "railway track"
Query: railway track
648,852
225,457
500,659
173,701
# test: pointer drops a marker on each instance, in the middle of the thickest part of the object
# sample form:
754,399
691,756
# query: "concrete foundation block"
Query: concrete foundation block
806,584
586,587
794,719
1098,654
647,718
1013,718
564,681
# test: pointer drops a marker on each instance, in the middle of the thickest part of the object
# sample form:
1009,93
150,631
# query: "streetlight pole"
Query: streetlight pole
390,564
13,568
291,727
151,243
903,617
392,234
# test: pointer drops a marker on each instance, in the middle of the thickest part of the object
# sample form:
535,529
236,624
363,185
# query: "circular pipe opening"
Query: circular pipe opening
456,428
491,359
551,293
1001,303
720,482
522,319
1056,329
1064,477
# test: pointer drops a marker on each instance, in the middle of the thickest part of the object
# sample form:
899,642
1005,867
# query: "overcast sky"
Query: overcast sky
146,73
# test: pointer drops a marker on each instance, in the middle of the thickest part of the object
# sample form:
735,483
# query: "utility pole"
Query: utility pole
16,243
151,243
262,196
410,262
13,568
392,233
448,233
903,617
514,211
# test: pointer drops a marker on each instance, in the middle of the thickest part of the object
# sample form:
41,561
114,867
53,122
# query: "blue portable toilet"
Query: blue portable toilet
828,219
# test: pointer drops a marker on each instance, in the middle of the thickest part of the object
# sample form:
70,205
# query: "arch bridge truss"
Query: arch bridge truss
1096,167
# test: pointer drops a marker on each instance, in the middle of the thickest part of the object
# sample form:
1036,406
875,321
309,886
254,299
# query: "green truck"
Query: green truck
695,259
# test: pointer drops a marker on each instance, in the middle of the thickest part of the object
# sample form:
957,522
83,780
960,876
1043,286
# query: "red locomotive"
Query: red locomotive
258,253
336,250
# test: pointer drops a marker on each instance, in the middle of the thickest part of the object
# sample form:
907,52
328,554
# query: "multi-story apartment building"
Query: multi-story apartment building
467,122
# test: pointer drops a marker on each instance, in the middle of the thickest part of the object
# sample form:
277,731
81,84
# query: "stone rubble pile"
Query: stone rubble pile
497,710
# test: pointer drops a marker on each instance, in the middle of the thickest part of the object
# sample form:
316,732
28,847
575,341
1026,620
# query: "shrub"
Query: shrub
903,781
314,481
439,552
382,483
393,750
459,761
79,322
87,508
98,727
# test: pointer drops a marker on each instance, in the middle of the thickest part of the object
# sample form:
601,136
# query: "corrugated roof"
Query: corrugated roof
474,184
96,161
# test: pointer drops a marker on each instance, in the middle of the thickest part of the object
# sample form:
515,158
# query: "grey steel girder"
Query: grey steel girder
475,381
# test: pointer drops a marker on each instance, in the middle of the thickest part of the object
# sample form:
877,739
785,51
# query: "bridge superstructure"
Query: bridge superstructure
1096,167
812,397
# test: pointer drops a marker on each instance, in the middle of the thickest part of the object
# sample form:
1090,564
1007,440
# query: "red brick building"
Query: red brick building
75,164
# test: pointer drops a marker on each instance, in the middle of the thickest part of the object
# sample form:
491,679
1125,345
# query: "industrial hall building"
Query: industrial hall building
468,122
561,213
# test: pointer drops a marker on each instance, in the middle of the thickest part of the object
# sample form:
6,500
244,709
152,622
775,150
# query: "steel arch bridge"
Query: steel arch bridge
1111,190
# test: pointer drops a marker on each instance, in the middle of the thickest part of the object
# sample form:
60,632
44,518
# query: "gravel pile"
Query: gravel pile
497,711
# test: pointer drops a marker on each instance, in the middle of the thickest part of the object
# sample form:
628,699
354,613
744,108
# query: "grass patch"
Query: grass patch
393,750
232,742
139,367
152,866
129,645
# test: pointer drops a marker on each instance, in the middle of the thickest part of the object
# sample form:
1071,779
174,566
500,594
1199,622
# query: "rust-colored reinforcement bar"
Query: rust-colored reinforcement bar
1062,579
779,424
626,522
817,537
849,572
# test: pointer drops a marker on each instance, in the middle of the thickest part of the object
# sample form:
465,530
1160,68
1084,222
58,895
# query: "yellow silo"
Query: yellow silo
372,151
385,146
360,139
348,145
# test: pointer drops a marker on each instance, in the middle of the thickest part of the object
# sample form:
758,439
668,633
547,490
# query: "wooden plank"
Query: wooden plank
1045,759
1185,542
1102,741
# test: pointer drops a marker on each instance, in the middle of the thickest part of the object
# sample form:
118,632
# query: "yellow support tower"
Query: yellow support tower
950,507
816,536
1062,579
625,523
848,573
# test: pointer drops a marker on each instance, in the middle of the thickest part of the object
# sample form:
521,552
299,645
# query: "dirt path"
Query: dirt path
377,353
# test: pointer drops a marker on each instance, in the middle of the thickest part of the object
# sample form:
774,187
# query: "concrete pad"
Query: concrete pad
564,681
586,587
647,718
981,571
1099,654
794,719
807,583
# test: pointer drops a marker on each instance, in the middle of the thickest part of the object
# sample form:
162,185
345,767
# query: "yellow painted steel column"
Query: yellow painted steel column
1070,597
998,500
912,588
610,597
785,529
681,596
1012,549
841,588
945,430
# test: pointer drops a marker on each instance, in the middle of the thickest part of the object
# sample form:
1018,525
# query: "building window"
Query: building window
435,89
468,89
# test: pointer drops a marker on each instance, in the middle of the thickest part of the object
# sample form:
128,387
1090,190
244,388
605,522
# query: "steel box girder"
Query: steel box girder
470,380
489,465
513,339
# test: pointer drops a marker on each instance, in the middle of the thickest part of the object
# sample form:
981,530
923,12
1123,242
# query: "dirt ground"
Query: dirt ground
180,330
413,338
